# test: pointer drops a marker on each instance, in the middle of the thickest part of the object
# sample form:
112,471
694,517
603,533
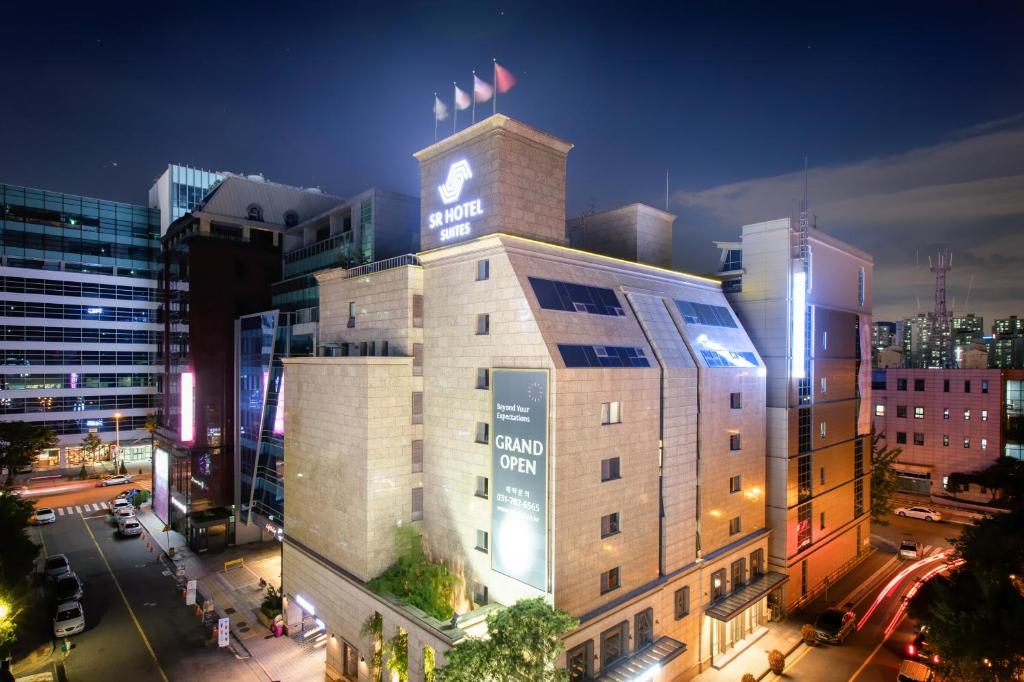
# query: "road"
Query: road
137,626
875,651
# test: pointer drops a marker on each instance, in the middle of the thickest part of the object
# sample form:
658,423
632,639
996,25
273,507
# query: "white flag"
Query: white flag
461,99
440,110
482,90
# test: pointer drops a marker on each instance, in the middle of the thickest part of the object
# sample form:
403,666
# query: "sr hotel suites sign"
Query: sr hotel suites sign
519,472
455,220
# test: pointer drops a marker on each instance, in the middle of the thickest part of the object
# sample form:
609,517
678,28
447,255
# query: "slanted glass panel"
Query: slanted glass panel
705,314
602,356
578,298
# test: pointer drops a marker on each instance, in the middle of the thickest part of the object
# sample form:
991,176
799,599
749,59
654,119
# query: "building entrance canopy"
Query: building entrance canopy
645,662
729,607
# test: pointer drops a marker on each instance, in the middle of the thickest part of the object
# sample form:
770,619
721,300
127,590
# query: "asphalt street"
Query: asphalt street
137,626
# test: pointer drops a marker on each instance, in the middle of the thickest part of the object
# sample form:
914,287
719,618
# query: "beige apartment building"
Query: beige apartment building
554,422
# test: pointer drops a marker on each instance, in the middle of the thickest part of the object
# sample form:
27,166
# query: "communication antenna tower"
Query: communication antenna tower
942,333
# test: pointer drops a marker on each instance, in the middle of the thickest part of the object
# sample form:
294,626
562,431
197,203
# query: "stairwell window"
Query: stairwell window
417,456
351,313
611,413
610,525
483,270
483,324
417,504
483,378
417,407
483,432
610,469
417,310
735,400
734,442
610,580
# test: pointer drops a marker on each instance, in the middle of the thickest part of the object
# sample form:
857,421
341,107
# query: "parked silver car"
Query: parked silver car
69,620
56,566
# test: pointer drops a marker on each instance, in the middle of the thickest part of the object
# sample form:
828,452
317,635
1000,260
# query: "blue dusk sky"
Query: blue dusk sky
911,114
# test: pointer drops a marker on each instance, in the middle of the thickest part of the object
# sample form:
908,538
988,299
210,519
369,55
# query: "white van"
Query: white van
912,671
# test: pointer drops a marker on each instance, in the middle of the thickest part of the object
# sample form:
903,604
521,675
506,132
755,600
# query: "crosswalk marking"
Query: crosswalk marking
60,512
105,505
82,509
78,510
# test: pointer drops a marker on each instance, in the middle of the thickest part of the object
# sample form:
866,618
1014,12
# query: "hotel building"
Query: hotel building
554,422
805,299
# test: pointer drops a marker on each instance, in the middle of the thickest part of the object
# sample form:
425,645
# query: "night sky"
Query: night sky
912,115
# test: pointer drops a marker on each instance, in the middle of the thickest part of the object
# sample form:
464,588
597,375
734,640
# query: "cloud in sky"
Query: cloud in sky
964,194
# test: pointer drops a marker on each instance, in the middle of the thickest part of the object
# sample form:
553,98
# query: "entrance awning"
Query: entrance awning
729,607
646,662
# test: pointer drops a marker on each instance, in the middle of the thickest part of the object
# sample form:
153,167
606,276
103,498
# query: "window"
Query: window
609,469
614,643
901,411
718,584
967,387
350,660
984,415
483,324
643,628
609,525
682,602
417,359
481,541
879,410
945,413
967,441
821,430
984,385
735,400
610,580
417,504
967,415
858,497
918,439
918,413
734,485
734,441
803,525
945,441
861,280
984,443
482,487
417,407
483,377
254,213
824,340
728,358
945,385
803,577
602,356
858,457
823,475
901,438
611,413
901,384
483,432
579,661
579,298
738,574
918,384
351,313
417,456
384,348
734,525
417,310
803,477
479,593
483,270
822,522
756,563
708,315
824,385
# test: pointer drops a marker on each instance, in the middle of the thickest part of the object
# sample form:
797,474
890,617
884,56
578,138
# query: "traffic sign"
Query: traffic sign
222,631
190,592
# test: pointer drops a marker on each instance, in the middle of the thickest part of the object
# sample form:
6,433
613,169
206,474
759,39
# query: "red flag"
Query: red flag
503,78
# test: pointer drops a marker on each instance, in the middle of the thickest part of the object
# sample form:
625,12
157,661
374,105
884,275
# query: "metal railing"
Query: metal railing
386,264
829,580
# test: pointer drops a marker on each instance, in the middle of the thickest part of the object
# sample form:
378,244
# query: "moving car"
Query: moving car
918,513
70,619
116,479
918,648
835,624
128,527
69,588
56,566
910,549
912,671
45,515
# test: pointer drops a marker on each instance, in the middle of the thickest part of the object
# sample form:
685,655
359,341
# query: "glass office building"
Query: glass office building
180,189
79,332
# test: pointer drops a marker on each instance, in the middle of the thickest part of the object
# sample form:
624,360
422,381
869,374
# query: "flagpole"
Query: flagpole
474,97
435,117
455,108
494,79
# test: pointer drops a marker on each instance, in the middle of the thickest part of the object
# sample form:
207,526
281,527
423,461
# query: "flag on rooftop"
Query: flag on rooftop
462,100
482,90
440,110
503,78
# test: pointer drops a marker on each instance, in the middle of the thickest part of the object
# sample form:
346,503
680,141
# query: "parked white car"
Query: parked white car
118,504
919,513
128,527
70,619
122,513
116,479
45,515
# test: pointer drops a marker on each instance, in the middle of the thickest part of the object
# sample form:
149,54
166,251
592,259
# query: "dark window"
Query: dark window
254,213
609,469
417,359
482,485
483,377
483,432
552,295
738,574
483,270
858,497
756,563
858,457
291,219
610,580
611,413
901,384
822,520
918,384
804,429
901,411
734,525
479,593
417,310
602,356
350,661
967,387
718,584
417,504
901,437
918,439
351,313
823,475
702,313
609,524
483,324
614,644
735,400
682,602
734,485
945,385
579,661
984,385
417,456
417,408
734,441
643,629
803,577
481,541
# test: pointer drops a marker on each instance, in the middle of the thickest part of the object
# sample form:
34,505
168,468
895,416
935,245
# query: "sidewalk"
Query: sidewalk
236,593
785,635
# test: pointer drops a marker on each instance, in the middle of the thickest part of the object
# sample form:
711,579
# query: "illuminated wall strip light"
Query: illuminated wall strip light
306,606
799,315
188,387
279,412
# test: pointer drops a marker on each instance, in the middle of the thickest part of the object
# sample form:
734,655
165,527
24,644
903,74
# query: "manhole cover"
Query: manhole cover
229,610
165,573
243,629
242,624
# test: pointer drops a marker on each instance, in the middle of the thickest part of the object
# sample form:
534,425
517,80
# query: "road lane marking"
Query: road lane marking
78,510
105,505
871,656
60,511
131,612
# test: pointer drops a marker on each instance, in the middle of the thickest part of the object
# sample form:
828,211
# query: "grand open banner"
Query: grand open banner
161,480
519,474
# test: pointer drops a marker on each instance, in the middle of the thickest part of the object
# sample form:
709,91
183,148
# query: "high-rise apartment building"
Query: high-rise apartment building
805,299
80,327
554,423
1006,349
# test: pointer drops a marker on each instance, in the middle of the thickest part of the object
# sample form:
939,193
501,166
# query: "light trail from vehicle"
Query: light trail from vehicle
901,611
897,579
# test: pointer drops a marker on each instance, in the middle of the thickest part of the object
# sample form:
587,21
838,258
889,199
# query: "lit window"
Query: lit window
918,413
821,430
984,443
967,415
945,413
984,415
879,410
945,441
967,441
824,385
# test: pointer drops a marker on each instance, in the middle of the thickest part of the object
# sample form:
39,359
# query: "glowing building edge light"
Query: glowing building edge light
797,370
188,387
306,606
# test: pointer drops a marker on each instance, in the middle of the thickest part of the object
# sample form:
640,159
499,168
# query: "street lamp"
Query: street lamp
117,432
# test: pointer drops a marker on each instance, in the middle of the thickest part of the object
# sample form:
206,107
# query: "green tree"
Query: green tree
152,424
416,580
975,614
523,643
11,601
19,552
883,478
92,445
1004,477
20,442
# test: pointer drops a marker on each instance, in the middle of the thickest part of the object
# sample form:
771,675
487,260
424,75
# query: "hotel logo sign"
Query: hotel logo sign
519,472
454,221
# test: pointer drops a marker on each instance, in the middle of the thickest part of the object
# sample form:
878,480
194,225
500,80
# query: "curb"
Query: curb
34,658
787,654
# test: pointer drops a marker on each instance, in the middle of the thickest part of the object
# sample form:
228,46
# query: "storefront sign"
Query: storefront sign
455,220
519,471
223,626
161,464
190,592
